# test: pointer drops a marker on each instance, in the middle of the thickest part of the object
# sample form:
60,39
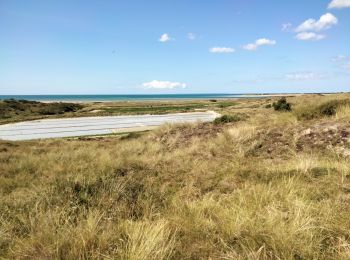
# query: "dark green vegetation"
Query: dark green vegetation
160,107
282,105
14,110
271,186
152,109
229,118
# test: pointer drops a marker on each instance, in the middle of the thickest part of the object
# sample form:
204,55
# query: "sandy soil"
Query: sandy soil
82,126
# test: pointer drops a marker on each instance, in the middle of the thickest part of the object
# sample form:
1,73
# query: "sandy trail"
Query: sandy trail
80,126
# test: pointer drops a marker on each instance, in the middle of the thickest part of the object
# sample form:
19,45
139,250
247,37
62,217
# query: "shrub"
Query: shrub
282,105
59,108
229,118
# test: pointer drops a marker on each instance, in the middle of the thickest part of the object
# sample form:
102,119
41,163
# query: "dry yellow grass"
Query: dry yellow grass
256,189
343,112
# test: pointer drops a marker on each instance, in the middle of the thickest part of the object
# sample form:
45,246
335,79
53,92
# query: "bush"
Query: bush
229,118
59,108
282,105
326,109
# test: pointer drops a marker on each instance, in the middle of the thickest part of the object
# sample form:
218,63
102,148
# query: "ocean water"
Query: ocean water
102,98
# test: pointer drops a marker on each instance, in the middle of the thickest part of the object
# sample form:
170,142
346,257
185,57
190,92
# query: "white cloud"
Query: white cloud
191,36
339,4
259,42
325,22
286,27
309,36
304,76
156,84
264,41
165,38
222,50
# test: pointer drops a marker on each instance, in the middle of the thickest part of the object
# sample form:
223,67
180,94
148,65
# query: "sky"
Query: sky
174,46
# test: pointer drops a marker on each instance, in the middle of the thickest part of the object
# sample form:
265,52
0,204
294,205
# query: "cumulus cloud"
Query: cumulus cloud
325,22
309,36
156,84
259,42
339,4
191,36
302,76
222,50
165,38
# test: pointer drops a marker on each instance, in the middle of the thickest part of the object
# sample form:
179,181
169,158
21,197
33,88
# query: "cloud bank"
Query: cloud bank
309,36
301,76
221,50
156,84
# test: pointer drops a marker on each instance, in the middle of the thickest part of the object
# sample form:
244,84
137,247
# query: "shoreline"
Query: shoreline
151,98
166,98
175,99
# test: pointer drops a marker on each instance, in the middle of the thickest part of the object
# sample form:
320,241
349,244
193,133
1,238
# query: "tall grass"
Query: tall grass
235,192
343,112
324,109
147,240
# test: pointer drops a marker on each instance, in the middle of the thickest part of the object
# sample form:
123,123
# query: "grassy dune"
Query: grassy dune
22,110
19,110
267,185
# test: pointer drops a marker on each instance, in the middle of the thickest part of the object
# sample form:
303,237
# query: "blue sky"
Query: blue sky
168,46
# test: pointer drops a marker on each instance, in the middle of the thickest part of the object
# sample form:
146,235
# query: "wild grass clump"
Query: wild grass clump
282,105
343,111
325,109
148,240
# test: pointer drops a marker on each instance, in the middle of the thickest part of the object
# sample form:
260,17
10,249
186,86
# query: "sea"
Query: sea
107,98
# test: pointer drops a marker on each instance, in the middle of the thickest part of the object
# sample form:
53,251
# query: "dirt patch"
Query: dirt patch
327,135
272,143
